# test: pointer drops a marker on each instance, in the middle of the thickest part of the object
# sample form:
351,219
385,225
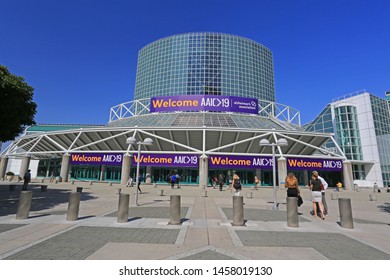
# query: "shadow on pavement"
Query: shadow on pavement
40,200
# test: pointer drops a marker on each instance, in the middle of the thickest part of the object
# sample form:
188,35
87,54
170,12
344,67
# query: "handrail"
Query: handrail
266,108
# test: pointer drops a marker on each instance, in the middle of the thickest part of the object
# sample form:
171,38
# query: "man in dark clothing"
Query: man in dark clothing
221,180
27,179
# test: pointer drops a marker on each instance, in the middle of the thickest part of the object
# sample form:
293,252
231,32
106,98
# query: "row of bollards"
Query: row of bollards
24,205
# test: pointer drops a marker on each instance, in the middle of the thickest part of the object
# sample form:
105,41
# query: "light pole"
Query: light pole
279,142
133,141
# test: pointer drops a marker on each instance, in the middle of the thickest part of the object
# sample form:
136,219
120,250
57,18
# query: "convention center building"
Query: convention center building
204,105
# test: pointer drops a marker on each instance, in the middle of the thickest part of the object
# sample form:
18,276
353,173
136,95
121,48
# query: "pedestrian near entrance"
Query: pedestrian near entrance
291,183
140,178
221,180
257,183
325,184
237,185
316,187
129,182
26,180
173,180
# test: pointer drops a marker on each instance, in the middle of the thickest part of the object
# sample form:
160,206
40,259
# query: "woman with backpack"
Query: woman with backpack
237,185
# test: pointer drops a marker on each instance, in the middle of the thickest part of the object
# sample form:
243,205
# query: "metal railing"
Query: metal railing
266,108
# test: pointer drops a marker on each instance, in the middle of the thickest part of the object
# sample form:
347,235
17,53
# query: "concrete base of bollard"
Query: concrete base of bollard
345,211
73,206
175,218
123,208
24,205
292,212
238,211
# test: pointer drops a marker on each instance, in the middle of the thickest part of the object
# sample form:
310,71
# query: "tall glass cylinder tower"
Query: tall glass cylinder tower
205,64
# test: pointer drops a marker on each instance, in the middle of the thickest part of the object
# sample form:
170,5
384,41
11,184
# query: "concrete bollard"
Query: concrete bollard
372,197
24,205
249,195
160,192
154,185
292,212
203,193
334,196
175,210
345,210
72,183
110,184
118,191
43,188
43,180
79,189
91,183
123,208
73,206
238,211
56,181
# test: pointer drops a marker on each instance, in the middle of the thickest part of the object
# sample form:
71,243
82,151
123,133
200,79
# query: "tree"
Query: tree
17,109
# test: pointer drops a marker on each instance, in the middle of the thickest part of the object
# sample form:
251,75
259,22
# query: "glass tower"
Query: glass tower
205,64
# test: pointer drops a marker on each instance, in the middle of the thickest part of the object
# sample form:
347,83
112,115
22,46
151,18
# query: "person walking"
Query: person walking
173,180
291,183
129,182
26,180
221,180
316,187
140,178
236,183
257,183
325,184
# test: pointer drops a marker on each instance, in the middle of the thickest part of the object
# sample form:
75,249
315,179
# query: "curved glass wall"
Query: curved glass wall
347,130
205,63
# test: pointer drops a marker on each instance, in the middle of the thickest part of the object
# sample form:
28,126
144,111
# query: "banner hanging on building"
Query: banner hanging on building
216,103
314,164
250,162
178,160
96,159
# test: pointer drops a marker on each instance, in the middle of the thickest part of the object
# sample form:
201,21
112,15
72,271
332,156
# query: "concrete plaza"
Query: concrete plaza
205,233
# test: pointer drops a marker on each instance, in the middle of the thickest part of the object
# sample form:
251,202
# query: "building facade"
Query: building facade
206,100
360,122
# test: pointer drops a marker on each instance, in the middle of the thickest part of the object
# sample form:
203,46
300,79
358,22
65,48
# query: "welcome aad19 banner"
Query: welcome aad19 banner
216,103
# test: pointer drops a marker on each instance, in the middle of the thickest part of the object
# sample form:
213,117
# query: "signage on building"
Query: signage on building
177,160
96,159
216,103
314,164
249,162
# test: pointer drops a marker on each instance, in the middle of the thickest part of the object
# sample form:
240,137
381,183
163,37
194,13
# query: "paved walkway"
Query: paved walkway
205,232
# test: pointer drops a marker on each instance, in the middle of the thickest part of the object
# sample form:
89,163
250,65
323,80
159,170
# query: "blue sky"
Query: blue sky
81,56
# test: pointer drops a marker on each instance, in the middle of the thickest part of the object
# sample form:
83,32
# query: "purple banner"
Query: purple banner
250,162
96,159
180,160
314,164
216,103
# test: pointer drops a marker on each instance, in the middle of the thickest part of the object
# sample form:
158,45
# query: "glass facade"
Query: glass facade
205,63
381,116
323,123
347,132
